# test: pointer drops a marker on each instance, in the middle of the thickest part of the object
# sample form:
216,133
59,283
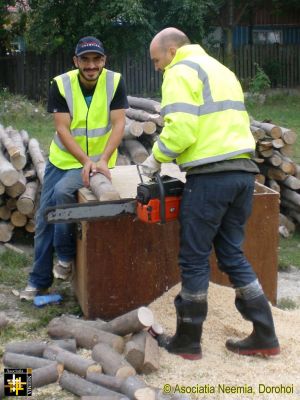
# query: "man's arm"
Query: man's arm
117,118
62,123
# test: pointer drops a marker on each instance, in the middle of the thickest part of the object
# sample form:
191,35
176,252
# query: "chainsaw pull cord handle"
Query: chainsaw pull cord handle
162,198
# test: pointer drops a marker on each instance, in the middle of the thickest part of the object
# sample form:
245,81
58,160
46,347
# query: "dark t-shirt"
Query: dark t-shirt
57,103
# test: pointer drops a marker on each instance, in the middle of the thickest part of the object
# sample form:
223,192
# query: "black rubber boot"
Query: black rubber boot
263,339
186,341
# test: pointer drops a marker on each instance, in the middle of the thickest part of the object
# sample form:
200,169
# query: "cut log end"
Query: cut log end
145,316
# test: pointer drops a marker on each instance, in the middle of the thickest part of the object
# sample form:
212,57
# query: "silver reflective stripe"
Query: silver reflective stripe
62,148
202,75
109,87
208,160
250,291
204,109
66,80
92,132
209,105
165,150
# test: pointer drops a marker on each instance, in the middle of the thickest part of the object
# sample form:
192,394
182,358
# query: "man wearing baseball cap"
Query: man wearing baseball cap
88,105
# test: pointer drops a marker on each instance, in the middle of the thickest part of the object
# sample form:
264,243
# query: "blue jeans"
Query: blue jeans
214,210
59,187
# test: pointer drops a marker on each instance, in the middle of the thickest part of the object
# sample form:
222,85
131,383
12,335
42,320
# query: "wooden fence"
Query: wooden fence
29,74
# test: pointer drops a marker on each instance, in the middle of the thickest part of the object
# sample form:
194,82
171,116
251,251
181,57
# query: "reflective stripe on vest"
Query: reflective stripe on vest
209,105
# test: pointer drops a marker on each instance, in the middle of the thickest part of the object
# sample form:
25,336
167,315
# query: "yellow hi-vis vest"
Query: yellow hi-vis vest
204,112
90,127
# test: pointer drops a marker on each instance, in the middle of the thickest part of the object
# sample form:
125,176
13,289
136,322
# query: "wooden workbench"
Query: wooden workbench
123,263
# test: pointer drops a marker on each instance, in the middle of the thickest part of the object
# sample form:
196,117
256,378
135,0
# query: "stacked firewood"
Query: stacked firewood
116,352
274,145
22,168
143,124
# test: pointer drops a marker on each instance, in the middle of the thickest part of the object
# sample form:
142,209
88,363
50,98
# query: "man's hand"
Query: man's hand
102,167
150,166
89,169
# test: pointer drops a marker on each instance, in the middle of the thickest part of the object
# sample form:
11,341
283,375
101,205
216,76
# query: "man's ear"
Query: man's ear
173,51
75,61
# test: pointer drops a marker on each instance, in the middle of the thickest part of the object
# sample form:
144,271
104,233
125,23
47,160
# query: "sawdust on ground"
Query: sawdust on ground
221,374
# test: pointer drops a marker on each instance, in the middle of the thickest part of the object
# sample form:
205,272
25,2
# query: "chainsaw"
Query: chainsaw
157,201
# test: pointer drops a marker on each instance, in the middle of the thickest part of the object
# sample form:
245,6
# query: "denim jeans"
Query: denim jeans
214,210
59,187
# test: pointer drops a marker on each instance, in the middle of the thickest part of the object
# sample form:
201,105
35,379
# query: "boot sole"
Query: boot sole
253,352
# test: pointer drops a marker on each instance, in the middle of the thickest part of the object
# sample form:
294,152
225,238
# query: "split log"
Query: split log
149,127
131,322
37,158
15,360
30,226
3,320
288,166
103,188
141,115
277,143
26,202
288,136
144,104
8,143
18,219
5,213
287,150
108,381
291,196
135,350
271,130
276,173
25,137
271,183
37,348
111,361
291,182
275,159
136,150
45,375
58,328
151,359
72,362
257,132
135,388
19,159
8,174
133,129
17,188
6,231
81,387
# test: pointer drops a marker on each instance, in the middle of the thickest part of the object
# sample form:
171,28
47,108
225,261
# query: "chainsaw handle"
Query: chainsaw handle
161,198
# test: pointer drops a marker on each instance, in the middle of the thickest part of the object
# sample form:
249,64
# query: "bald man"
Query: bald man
206,131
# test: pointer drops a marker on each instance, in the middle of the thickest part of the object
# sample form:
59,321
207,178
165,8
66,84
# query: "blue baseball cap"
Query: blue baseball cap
89,44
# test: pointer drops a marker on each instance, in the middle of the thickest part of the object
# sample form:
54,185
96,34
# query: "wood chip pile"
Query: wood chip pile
116,353
22,167
274,146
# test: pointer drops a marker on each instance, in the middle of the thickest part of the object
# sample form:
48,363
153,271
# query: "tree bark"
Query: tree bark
36,348
45,375
103,188
108,381
111,361
145,104
37,158
60,328
8,174
26,202
136,150
291,182
72,362
271,130
135,350
6,231
288,136
151,359
131,322
81,387
24,361
17,188
140,115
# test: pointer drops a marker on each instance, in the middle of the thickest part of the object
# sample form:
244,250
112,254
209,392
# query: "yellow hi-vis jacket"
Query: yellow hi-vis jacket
204,112
90,127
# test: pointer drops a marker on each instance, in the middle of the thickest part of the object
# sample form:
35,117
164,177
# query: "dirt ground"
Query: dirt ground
220,374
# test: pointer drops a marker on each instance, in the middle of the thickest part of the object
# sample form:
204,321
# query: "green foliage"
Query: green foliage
287,304
12,268
261,82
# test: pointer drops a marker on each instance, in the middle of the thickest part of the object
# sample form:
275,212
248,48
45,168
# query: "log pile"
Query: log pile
119,351
22,168
143,125
274,148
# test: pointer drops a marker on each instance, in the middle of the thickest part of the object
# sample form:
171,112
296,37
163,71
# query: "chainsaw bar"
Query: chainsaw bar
89,211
